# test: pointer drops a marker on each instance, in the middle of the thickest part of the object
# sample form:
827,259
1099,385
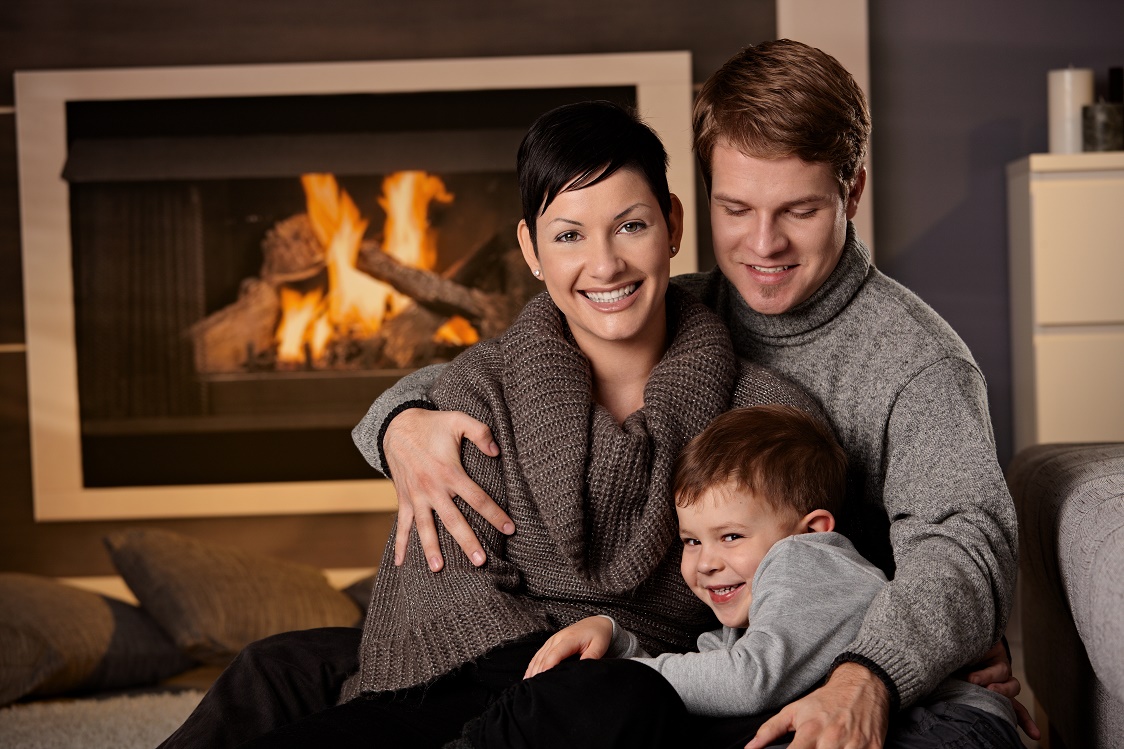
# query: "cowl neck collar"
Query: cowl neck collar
602,488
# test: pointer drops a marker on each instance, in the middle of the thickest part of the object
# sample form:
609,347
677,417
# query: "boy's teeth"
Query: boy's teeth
611,296
776,269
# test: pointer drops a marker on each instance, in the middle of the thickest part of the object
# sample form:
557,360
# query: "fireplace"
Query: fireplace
225,266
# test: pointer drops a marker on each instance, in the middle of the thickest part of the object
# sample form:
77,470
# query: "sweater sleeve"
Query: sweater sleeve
430,623
953,532
809,597
409,392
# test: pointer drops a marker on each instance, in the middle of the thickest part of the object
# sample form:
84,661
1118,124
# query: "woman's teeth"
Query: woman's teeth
611,296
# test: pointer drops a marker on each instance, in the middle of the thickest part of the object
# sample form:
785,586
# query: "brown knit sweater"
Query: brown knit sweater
590,499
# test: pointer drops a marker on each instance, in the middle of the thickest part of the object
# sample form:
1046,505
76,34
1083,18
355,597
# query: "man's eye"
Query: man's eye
802,214
730,210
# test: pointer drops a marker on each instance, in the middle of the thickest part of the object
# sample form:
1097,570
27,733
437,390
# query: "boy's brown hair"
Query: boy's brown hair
782,454
784,98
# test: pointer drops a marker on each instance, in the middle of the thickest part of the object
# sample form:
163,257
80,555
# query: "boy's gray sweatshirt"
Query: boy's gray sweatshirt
810,594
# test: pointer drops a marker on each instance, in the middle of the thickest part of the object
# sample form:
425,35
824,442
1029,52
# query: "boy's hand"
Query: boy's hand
590,638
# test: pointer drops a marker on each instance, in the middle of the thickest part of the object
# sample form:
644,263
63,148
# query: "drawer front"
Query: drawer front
1078,249
1080,386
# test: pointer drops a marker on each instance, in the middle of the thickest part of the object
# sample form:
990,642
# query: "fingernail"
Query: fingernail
493,448
397,560
435,563
478,558
508,528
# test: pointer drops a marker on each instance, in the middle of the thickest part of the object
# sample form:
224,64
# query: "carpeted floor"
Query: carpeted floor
125,722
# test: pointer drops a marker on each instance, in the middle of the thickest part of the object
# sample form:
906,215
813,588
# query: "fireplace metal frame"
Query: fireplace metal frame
663,89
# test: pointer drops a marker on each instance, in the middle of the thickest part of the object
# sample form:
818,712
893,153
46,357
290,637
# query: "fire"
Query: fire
354,304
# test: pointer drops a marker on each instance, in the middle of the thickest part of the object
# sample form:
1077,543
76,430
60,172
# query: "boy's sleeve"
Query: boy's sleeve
409,392
624,644
809,599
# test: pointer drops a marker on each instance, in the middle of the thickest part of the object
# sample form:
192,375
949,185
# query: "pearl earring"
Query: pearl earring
537,272
674,250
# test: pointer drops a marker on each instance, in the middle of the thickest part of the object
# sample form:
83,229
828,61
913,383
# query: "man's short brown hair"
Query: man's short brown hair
784,455
784,98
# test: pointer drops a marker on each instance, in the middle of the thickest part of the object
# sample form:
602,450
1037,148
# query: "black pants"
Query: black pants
271,683
621,703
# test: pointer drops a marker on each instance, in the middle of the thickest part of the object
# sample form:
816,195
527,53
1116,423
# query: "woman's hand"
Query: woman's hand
423,453
851,710
994,673
589,637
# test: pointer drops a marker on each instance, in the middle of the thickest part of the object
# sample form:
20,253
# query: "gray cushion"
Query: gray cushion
58,638
1070,501
214,599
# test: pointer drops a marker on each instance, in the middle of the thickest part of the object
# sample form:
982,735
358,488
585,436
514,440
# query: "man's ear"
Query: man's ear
856,193
817,521
523,233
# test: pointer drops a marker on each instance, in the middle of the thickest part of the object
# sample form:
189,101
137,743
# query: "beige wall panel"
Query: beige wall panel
1078,238
1081,386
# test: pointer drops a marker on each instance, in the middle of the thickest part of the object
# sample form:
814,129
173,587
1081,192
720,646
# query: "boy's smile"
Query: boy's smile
725,535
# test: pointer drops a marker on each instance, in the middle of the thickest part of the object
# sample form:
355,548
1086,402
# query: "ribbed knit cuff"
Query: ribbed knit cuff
874,668
386,425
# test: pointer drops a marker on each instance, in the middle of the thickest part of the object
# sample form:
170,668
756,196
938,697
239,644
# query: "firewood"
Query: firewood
291,251
225,341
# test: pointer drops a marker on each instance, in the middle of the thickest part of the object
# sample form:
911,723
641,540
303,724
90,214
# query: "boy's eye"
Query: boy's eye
690,541
731,537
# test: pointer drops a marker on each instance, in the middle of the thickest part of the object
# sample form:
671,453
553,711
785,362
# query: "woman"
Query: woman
590,395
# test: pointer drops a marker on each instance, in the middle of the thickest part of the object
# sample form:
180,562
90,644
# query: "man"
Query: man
781,133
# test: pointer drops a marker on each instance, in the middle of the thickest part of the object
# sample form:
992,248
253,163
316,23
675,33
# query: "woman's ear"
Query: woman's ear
817,521
675,221
530,256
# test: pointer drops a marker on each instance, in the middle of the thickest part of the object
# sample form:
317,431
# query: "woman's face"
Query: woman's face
604,252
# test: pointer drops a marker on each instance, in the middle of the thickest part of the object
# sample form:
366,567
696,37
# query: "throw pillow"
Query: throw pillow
58,638
213,599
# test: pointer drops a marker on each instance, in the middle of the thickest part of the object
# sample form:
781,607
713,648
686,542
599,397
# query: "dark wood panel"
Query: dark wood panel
11,285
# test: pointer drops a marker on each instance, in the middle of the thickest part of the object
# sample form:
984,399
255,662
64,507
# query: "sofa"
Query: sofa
1070,504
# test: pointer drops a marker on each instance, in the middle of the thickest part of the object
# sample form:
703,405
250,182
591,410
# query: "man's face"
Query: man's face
779,225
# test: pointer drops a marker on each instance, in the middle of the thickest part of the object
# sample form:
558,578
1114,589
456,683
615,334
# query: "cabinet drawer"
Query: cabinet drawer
1077,261
1080,386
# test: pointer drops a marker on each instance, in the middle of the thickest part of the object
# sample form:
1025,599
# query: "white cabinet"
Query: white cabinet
1066,225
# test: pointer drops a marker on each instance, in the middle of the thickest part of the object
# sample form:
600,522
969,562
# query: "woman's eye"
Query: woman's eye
568,236
631,227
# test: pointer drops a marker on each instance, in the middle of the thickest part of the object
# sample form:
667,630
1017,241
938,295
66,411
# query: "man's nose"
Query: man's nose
766,237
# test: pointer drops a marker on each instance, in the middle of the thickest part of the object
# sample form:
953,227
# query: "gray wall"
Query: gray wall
959,90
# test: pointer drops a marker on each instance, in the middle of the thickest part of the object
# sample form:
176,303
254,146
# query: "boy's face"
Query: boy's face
779,225
725,536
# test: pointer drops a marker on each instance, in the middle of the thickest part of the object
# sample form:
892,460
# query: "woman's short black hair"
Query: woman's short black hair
578,145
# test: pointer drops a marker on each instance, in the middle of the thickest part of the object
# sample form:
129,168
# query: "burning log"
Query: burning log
227,340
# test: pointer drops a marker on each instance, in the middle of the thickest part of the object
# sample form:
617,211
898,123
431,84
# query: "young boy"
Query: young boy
756,494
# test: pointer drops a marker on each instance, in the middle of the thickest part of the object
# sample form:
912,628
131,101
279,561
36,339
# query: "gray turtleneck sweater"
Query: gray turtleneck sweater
927,501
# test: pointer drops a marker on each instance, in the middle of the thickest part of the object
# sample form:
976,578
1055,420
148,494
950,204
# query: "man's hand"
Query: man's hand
589,637
994,672
423,453
851,710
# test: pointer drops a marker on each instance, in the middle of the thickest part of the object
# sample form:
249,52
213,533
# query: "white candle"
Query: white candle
1068,90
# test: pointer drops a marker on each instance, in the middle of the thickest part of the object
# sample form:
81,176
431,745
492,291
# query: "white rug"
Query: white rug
126,722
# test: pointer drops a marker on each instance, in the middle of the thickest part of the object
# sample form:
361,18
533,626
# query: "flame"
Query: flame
355,304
